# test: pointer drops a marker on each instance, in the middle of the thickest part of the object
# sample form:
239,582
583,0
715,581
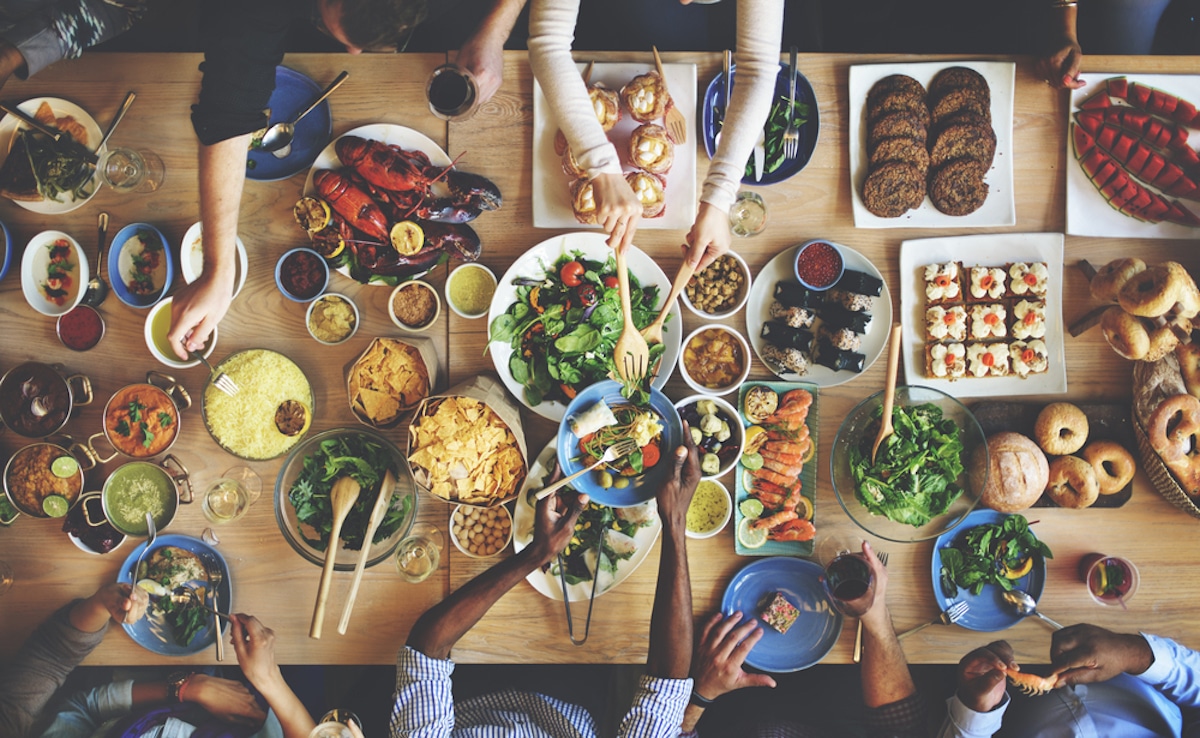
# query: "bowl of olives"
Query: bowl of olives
716,430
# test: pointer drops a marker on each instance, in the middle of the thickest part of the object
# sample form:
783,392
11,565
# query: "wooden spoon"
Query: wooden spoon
382,503
341,499
889,395
653,333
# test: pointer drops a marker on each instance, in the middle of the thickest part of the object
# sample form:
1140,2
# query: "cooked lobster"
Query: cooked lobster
352,203
442,240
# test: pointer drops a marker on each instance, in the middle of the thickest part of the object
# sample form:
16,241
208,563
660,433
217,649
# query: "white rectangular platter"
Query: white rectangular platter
990,250
1000,207
1088,213
551,187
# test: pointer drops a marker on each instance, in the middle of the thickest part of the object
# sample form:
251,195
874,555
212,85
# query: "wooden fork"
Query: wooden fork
653,333
631,355
676,123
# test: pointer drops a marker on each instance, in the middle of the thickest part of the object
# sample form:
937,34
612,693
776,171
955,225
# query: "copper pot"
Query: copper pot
36,399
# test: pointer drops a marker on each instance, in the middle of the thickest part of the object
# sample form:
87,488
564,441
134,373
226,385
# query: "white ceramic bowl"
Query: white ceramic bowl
732,386
34,271
437,310
191,259
450,280
724,519
737,438
313,304
172,360
742,296
464,510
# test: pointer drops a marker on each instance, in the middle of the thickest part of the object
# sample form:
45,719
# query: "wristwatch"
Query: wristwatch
175,684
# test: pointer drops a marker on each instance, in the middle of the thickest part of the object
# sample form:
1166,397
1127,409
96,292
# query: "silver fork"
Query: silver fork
950,616
215,576
883,559
611,454
791,136
220,380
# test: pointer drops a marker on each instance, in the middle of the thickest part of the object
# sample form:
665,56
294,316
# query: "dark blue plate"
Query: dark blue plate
989,612
118,277
640,488
293,93
6,259
714,98
815,630
151,633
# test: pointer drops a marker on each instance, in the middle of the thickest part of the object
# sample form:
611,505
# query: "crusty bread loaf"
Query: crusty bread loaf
1017,472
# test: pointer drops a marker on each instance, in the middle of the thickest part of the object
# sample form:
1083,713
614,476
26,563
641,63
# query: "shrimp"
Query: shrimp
798,447
774,521
782,457
1032,684
797,398
773,477
788,470
775,489
768,499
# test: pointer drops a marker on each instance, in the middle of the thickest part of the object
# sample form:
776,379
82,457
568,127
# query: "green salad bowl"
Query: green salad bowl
906,512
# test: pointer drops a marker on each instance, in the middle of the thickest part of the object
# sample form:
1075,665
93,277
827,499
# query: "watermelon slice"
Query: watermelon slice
1137,159
1132,120
1155,103
1122,148
1129,191
1168,176
1187,158
1114,186
1090,120
1117,87
1083,141
1154,165
1107,137
1167,103
1179,138
1183,187
1181,215
1106,172
1139,95
1185,112
1157,208
1099,101
1153,132
1139,201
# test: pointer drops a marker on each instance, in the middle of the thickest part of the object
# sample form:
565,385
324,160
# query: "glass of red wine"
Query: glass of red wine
452,92
848,579
1111,580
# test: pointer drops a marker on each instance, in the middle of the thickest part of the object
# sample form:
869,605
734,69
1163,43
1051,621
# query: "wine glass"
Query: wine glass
419,554
130,170
338,723
748,216
230,496
452,92
848,579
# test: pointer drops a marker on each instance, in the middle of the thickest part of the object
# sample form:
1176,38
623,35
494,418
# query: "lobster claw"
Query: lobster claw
456,239
474,189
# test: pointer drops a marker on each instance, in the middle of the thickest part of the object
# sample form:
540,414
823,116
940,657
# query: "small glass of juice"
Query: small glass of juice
1111,580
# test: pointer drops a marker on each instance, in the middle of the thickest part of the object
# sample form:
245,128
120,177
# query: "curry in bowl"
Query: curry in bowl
40,471
141,421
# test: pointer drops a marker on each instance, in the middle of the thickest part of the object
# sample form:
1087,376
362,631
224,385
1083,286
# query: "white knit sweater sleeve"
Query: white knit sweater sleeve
760,27
551,32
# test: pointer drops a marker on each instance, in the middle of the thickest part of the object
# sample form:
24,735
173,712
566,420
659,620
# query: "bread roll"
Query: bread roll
1017,472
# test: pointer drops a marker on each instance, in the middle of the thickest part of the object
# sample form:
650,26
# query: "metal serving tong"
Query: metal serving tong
562,577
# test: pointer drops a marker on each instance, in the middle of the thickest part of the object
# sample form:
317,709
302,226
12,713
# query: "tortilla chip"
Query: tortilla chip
388,368
465,453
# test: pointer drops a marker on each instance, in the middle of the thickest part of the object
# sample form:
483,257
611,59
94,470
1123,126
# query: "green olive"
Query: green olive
621,482
605,480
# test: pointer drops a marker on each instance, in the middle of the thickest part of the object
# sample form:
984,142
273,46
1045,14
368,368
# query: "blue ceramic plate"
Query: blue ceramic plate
121,266
6,259
151,633
640,488
815,630
714,102
293,93
989,612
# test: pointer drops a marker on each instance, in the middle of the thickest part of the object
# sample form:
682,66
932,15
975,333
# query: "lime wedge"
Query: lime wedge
751,537
752,461
64,466
55,506
751,508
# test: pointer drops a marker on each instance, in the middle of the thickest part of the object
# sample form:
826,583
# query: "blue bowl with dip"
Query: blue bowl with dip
140,265
315,268
819,264
640,488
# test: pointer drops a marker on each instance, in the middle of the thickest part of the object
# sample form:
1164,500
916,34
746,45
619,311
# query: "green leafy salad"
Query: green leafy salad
777,123
564,325
366,461
619,545
995,553
915,475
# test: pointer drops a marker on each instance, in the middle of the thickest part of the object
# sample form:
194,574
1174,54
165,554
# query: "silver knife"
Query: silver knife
32,122
760,154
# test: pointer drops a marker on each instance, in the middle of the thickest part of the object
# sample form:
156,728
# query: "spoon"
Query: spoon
281,134
1023,605
121,111
889,394
97,288
151,534
341,500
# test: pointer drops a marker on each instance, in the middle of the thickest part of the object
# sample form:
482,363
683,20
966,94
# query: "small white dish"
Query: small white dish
450,280
724,494
737,437
66,291
353,329
743,293
157,352
437,310
191,259
732,386
500,512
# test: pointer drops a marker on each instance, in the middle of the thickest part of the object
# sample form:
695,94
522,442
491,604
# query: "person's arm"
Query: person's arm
254,644
62,31
551,31
977,708
483,53
724,644
1060,65
760,26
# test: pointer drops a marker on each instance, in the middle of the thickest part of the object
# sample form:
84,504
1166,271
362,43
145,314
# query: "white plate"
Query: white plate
33,273
989,250
8,130
191,261
1088,214
405,138
534,262
545,582
1000,207
551,186
782,269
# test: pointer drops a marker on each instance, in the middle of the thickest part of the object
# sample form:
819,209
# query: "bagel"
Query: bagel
1187,303
1152,292
1188,355
1017,471
1111,277
1112,463
1061,428
1163,341
1126,334
1072,483
1153,382
1174,428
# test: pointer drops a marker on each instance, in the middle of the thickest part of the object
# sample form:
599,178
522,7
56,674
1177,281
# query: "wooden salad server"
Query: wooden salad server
382,503
341,499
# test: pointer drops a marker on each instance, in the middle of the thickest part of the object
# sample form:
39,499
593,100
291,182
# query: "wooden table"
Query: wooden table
274,583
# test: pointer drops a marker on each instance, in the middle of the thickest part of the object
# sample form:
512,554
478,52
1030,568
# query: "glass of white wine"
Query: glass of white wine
230,496
748,216
419,554
338,723
130,170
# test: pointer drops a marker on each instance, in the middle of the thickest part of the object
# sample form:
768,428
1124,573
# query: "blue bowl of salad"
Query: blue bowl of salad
635,478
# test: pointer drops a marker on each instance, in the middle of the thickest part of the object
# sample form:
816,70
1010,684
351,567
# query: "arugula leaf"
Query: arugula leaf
982,555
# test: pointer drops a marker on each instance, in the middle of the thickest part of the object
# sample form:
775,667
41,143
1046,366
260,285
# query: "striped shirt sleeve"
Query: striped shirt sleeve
658,707
424,705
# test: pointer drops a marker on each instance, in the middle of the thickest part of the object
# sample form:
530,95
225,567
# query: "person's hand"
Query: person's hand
1086,653
709,238
876,617
254,644
618,209
123,602
675,496
224,699
1060,68
981,676
484,59
720,653
555,523
196,311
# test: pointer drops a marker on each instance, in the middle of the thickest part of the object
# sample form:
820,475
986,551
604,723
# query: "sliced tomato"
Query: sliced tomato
571,273
650,455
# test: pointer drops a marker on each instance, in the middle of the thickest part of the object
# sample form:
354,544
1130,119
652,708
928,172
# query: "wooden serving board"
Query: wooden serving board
1106,422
